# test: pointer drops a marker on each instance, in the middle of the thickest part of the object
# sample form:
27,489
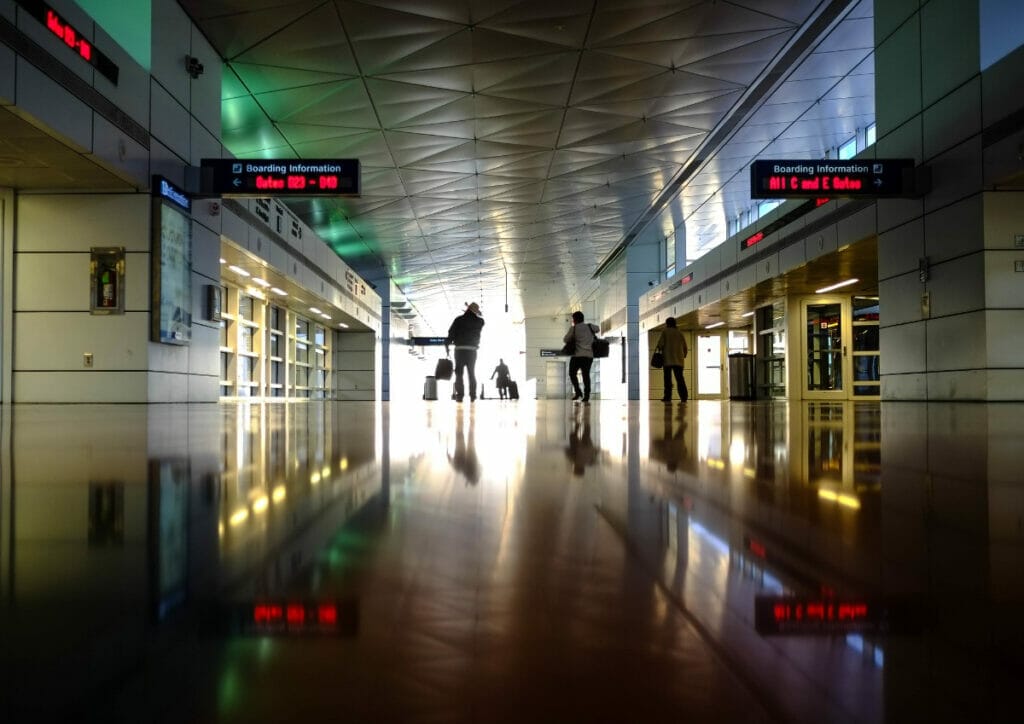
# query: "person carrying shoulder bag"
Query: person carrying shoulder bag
581,336
673,348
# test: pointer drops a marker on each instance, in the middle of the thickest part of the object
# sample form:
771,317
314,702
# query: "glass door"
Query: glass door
826,337
709,365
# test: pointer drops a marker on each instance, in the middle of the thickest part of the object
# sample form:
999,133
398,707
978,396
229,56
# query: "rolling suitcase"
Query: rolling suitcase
430,388
513,390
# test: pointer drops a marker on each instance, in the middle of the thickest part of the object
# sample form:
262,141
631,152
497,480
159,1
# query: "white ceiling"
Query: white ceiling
521,142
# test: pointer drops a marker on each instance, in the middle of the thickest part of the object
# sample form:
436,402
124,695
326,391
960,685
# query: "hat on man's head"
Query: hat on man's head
473,307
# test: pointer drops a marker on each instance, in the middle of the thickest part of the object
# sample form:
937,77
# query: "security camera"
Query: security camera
193,66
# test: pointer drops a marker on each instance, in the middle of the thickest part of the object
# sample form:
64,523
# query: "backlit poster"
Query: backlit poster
172,264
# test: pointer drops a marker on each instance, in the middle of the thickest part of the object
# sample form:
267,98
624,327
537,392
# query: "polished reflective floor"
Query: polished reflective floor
511,562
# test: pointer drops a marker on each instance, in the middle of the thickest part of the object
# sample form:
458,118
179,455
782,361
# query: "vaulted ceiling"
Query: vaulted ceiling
508,147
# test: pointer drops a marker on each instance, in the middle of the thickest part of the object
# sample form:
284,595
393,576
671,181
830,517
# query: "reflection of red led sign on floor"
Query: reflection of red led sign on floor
866,178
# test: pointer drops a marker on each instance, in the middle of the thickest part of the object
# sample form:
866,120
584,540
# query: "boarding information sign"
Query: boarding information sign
861,179
279,177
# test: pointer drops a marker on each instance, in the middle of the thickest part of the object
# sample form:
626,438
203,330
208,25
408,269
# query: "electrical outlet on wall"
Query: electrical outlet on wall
87,359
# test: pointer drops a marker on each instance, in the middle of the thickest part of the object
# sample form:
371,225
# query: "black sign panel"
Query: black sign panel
427,341
853,179
280,177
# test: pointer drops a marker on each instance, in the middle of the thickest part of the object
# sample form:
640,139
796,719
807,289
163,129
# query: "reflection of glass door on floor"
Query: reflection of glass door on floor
555,380
825,340
709,365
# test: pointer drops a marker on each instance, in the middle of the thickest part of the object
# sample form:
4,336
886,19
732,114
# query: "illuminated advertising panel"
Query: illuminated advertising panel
171,264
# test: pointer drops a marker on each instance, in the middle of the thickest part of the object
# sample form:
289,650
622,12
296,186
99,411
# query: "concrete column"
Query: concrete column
952,306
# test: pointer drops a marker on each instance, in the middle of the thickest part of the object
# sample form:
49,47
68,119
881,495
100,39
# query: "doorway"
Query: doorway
710,365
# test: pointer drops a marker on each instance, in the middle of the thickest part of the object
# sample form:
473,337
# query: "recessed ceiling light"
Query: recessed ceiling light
282,292
342,325
716,324
223,260
846,283
314,310
238,270
261,282
748,314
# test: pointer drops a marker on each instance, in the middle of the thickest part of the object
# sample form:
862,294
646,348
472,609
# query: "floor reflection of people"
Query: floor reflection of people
581,450
671,448
464,458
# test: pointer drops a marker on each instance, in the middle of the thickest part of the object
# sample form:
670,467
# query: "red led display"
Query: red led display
687,279
282,177
59,26
803,179
757,548
297,618
750,241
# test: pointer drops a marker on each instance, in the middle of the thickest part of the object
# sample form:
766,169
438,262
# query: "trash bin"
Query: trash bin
741,376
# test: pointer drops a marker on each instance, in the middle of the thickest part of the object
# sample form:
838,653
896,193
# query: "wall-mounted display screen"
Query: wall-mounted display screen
172,264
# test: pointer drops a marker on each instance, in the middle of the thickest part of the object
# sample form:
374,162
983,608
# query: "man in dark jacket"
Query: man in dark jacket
465,335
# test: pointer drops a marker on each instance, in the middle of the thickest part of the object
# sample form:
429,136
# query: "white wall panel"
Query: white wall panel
1007,385
113,149
84,386
57,341
1004,219
131,94
900,299
7,70
858,226
1004,286
958,286
167,387
205,252
205,90
204,352
203,388
51,282
957,342
172,39
163,161
904,347
898,74
767,268
1005,337
905,387
47,101
950,36
203,143
100,220
900,249
956,174
170,122
790,258
234,229
953,118
958,385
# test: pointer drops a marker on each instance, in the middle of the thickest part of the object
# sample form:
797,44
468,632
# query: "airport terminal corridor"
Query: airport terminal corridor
510,561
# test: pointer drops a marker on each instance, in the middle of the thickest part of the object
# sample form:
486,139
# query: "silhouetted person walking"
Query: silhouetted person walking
465,335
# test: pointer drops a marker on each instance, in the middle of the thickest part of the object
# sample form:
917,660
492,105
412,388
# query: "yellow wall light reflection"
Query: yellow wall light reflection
260,504
239,517
343,465
314,478
846,500
278,494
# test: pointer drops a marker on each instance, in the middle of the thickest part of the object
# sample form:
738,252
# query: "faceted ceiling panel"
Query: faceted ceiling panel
509,146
